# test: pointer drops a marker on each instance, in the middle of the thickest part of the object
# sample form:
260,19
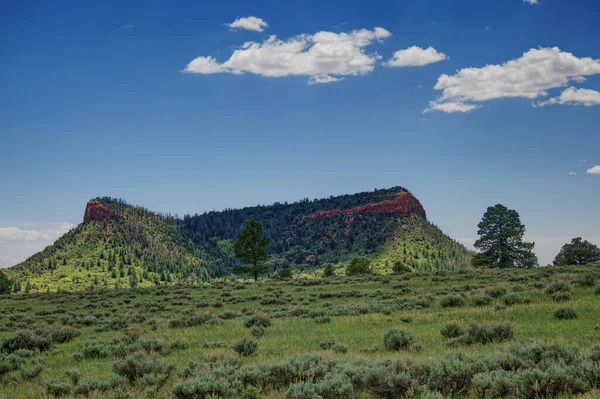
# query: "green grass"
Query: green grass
291,335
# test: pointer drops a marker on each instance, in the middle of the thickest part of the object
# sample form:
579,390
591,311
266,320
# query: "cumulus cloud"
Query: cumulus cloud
415,56
16,244
249,23
532,2
573,96
529,76
323,57
594,170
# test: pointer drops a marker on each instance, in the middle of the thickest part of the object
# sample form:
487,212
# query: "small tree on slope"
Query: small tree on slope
251,249
578,252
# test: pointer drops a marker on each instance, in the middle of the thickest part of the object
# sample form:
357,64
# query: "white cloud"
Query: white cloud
324,56
529,76
16,244
249,23
573,96
572,173
532,2
594,170
450,107
415,56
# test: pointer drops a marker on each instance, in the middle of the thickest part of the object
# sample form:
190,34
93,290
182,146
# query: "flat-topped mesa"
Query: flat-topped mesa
403,203
96,211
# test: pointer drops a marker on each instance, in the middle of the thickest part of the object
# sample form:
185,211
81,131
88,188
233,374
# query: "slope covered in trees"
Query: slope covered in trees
121,245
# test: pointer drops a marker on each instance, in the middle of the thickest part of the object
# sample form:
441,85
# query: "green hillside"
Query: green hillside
120,245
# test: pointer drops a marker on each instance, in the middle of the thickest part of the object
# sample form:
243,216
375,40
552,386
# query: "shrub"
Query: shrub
358,266
73,375
587,280
496,292
138,365
565,314
558,286
302,390
25,340
31,373
514,298
452,301
598,290
481,300
329,271
57,388
400,268
9,363
323,319
396,338
452,330
245,347
257,331
64,334
561,296
258,319
179,344
487,333
203,388
406,319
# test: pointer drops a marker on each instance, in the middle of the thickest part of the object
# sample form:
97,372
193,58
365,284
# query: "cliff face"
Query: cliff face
403,203
96,211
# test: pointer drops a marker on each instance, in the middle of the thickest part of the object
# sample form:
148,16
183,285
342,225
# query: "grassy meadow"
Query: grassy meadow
506,333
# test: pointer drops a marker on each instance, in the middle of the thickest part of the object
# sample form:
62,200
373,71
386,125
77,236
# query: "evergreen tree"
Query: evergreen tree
5,284
501,240
251,249
27,287
578,252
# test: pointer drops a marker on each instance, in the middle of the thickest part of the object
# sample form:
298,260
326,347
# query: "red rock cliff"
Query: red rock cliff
403,203
96,211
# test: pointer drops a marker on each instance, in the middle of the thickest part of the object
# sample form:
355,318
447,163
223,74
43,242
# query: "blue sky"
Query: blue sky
162,103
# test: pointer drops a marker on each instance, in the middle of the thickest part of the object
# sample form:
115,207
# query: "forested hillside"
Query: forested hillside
121,245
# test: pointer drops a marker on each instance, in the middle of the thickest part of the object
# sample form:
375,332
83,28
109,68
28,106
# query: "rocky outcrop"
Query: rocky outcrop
96,211
403,203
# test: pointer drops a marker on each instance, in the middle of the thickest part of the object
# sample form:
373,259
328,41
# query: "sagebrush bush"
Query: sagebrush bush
514,298
58,388
561,296
206,387
495,292
138,365
25,340
487,333
258,319
452,301
257,331
245,347
481,300
32,372
565,313
452,330
557,286
396,338
323,319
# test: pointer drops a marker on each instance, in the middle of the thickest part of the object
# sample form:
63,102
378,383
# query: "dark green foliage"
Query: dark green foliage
495,292
358,266
578,252
5,284
558,286
487,333
452,301
501,240
329,271
245,347
396,338
452,330
251,249
138,366
57,388
285,274
565,314
400,268
25,340
9,363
